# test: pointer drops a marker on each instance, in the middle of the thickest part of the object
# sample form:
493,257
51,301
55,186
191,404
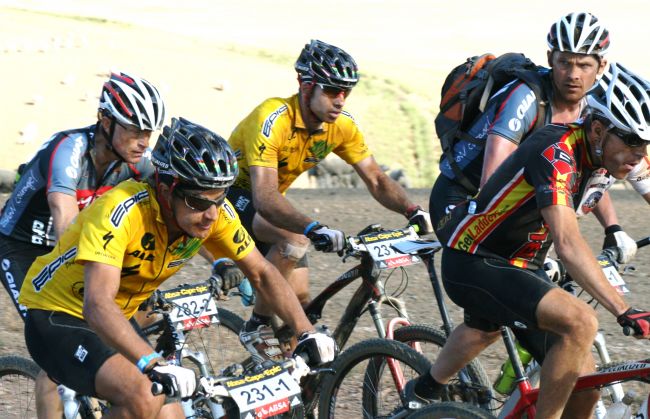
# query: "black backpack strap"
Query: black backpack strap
541,86
448,151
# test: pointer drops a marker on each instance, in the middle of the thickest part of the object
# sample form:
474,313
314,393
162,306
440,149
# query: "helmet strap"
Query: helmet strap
306,92
109,139
167,204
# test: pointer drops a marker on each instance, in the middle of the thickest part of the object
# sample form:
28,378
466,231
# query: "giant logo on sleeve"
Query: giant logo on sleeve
560,157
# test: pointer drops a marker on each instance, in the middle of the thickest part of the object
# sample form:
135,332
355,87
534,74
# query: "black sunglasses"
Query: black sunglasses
198,203
333,91
628,138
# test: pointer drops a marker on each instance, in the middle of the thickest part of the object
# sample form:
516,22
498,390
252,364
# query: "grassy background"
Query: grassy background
215,60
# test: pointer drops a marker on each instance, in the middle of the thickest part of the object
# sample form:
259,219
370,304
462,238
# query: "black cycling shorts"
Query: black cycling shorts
445,193
67,348
15,259
494,293
242,200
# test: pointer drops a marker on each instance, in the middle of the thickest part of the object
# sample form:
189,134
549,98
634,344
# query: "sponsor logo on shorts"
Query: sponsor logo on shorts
125,206
520,325
6,264
242,203
81,353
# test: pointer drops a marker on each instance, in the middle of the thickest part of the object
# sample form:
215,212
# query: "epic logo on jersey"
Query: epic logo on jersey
559,156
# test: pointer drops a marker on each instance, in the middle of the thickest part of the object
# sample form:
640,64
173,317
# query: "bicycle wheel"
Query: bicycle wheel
450,410
339,393
219,342
471,385
17,377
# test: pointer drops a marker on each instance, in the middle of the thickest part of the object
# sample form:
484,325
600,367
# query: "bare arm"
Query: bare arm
579,259
101,284
497,149
384,189
605,212
64,209
274,289
271,204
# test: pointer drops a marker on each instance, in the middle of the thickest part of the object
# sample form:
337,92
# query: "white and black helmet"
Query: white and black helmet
622,98
132,101
580,33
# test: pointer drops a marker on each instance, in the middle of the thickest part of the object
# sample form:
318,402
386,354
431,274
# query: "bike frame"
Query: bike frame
526,397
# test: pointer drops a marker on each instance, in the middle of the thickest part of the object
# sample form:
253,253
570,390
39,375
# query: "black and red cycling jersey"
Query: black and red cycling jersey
504,220
63,164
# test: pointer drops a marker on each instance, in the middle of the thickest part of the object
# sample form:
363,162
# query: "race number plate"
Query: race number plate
612,275
266,394
193,306
380,247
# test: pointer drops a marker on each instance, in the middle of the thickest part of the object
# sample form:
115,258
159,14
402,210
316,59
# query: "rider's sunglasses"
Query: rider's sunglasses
629,139
333,91
199,203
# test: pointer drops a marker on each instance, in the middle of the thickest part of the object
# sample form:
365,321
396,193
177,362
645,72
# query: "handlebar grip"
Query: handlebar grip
643,242
628,331
304,356
157,389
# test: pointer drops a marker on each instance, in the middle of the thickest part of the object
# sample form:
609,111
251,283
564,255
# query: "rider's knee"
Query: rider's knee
582,326
293,250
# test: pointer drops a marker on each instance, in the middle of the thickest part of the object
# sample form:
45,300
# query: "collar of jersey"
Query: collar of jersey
298,122
155,206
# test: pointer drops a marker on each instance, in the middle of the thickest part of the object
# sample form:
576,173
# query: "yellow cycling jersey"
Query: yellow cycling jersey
124,228
274,135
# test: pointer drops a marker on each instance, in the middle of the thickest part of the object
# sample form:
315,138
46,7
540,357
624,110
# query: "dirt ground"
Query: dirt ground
352,210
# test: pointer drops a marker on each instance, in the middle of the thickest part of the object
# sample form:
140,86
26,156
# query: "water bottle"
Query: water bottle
70,403
505,384
622,409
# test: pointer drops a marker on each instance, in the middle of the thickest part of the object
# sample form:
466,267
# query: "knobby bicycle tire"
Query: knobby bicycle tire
17,379
352,363
450,410
474,388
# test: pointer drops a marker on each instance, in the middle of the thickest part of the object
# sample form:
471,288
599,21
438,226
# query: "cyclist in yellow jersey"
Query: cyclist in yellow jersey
119,250
283,138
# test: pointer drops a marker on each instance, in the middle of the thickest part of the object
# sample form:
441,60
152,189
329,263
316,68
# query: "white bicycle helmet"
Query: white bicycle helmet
132,101
623,98
580,33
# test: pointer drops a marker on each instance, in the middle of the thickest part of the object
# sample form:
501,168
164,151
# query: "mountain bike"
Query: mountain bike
525,398
612,392
381,376
472,383
193,328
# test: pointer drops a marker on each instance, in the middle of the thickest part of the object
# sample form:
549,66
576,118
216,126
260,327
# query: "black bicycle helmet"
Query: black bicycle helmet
324,63
623,98
580,33
195,156
132,101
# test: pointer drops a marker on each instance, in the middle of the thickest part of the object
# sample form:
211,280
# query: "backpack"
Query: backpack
466,91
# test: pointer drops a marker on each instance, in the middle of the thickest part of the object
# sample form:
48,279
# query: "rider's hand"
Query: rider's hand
319,347
419,217
180,381
638,320
616,237
230,274
324,238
